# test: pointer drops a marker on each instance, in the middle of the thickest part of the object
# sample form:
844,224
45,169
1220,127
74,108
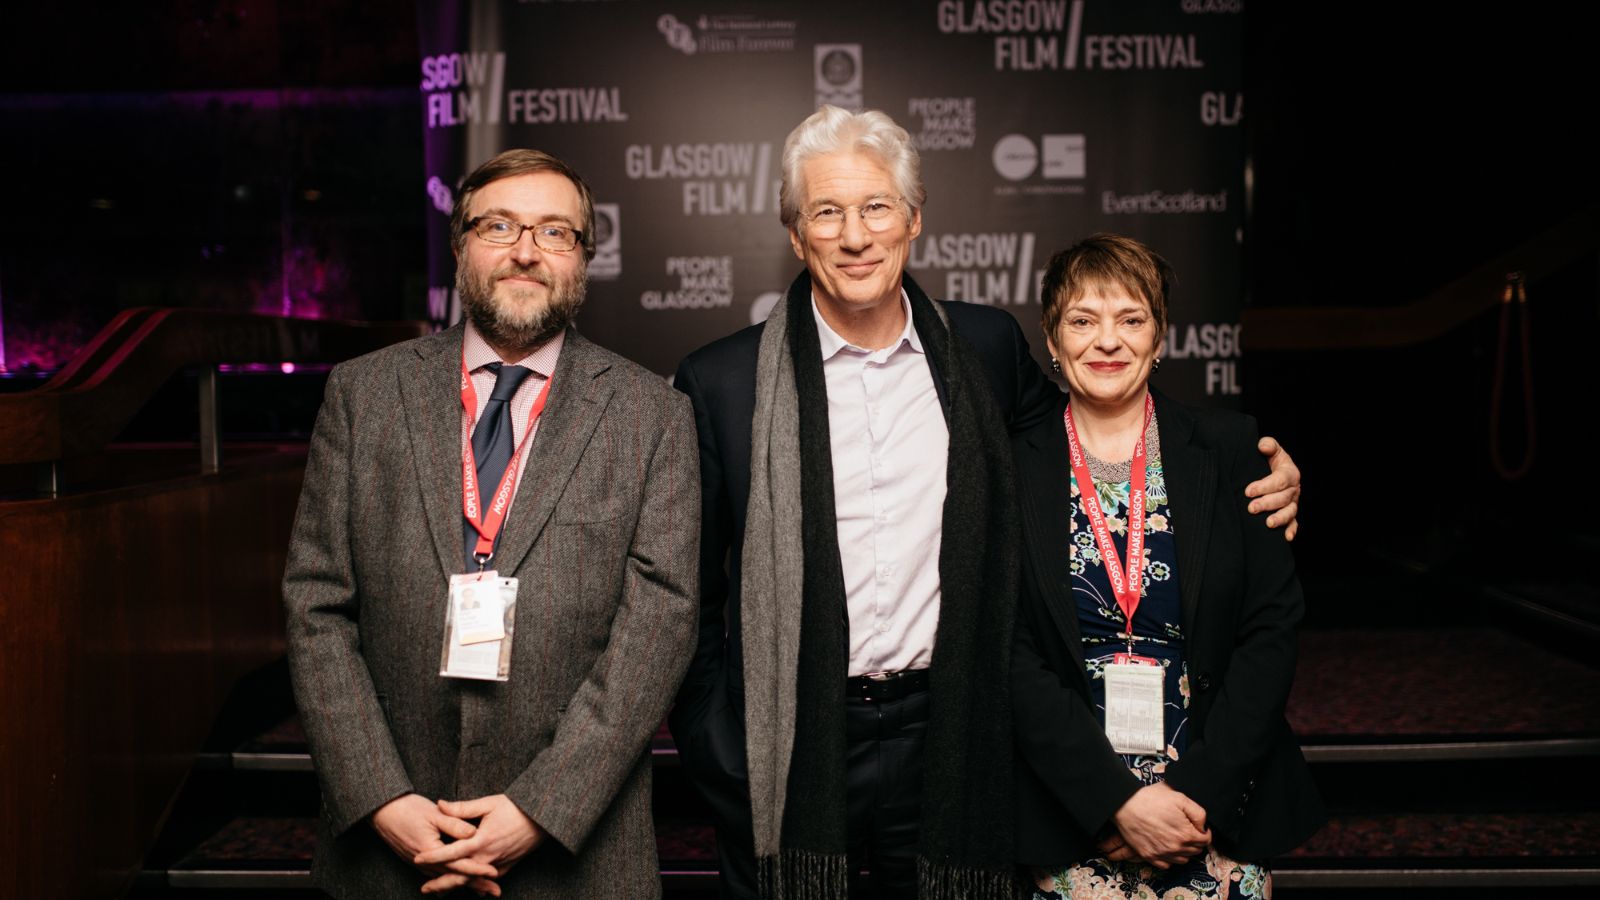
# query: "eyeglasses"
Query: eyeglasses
550,236
876,215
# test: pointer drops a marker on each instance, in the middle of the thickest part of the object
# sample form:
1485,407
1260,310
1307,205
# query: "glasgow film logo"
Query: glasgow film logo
838,75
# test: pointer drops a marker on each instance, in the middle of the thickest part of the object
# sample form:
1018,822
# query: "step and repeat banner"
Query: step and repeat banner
1038,121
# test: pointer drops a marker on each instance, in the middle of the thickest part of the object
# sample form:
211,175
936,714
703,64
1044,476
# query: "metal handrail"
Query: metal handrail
89,402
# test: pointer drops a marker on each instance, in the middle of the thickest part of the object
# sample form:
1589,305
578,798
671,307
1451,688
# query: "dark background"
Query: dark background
265,156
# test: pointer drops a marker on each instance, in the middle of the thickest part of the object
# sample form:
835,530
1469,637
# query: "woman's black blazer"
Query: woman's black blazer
1241,605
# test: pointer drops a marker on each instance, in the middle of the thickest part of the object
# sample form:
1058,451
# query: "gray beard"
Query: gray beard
515,334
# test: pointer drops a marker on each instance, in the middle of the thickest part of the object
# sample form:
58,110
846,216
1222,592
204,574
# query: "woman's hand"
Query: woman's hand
1161,826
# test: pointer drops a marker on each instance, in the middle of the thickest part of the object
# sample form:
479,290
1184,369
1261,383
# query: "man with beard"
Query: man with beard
491,586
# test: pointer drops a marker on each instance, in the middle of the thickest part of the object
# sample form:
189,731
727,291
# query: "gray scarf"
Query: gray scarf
794,623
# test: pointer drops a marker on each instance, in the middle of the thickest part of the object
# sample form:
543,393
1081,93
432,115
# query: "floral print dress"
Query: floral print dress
1157,633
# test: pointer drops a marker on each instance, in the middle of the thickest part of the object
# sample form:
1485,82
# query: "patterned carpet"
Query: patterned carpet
1445,682
1452,835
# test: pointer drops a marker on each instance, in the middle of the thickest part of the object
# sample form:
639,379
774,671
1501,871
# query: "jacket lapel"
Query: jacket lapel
1191,476
935,364
1047,505
431,386
578,398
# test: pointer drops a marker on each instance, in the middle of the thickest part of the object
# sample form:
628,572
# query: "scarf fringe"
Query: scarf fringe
804,875
941,882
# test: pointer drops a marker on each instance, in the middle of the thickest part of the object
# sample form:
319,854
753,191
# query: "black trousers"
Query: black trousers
883,793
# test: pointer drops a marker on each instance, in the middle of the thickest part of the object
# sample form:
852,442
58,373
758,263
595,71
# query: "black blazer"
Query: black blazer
708,720
1241,604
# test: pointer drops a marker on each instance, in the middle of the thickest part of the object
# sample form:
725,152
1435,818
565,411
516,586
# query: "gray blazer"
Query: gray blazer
603,535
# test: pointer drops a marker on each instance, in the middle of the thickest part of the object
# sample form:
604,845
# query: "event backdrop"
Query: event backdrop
1039,122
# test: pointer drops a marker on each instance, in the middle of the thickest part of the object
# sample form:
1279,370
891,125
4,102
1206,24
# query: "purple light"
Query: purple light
288,368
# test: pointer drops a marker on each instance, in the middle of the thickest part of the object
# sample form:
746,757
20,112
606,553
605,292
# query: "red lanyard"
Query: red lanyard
488,525
1124,584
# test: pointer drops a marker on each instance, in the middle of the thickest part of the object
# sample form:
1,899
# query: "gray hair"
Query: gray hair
834,130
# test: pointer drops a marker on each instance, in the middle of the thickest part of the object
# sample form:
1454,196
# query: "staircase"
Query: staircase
1455,761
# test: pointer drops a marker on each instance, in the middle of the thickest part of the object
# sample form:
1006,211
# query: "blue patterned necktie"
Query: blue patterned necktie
493,443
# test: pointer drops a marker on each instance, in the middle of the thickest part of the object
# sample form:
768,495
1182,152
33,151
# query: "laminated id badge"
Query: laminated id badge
477,627
1135,707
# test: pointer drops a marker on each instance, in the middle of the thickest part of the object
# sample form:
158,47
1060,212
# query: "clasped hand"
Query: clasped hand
414,828
1160,826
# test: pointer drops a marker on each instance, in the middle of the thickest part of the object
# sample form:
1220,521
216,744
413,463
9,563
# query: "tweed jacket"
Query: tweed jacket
603,536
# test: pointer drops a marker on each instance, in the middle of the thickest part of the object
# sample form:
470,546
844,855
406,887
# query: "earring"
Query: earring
1156,366
1055,365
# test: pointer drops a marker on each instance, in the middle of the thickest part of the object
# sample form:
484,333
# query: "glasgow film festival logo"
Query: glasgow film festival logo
838,75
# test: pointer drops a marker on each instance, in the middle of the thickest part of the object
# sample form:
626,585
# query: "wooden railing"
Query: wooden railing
130,607
83,408
1350,328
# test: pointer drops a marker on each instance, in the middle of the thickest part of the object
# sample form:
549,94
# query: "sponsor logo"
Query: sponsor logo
1015,157
548,106
994,268
722,179
1047,35
728,33
463,88
1063,157
1161,203
946,123
703,282
439,193
1221,108
607,262
838,75
1215,342
1203,7
679,36
761,307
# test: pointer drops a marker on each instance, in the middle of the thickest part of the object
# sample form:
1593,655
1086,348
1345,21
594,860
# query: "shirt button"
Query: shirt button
882,627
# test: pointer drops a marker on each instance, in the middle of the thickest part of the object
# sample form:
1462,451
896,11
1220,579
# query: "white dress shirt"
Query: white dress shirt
890,450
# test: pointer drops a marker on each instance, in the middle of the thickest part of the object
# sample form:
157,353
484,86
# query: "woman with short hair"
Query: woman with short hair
1154,758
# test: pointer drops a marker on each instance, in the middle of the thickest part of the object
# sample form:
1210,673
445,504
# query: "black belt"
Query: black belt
880,687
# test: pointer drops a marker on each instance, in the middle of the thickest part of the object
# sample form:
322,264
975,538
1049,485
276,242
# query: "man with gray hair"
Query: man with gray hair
847,707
